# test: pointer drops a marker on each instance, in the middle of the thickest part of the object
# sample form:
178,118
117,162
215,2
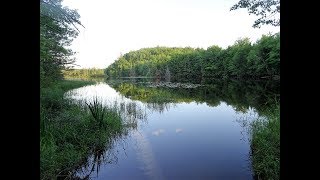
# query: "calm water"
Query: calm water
194,133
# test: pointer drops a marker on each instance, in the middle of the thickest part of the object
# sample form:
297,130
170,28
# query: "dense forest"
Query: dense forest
242,60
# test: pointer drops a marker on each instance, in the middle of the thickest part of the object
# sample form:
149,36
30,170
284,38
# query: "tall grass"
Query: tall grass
265,145
70,132
97,110
107,117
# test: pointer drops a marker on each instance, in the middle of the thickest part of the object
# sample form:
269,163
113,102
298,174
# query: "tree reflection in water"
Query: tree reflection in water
142,99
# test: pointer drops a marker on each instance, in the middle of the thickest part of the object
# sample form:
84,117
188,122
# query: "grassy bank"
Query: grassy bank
265,144
84,73
70,132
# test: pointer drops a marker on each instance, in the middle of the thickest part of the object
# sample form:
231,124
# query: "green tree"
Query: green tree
265,56
57,30
212,65
241,60
268,11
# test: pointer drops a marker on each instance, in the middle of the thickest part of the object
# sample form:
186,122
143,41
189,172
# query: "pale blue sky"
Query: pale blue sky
120,26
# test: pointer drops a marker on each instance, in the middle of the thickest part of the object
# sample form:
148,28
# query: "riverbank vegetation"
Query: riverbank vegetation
265,144
69,132
89,73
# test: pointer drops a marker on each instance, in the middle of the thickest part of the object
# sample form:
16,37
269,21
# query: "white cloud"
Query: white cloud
178,130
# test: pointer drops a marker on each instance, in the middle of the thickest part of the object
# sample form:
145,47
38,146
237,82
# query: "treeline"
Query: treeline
242,60
83,73
145,62
57,30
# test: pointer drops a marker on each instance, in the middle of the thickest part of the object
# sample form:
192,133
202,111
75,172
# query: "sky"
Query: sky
115,27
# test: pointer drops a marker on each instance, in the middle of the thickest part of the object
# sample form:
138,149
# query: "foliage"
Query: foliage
144,62
83,73
68,134
242,60
265,9
57,30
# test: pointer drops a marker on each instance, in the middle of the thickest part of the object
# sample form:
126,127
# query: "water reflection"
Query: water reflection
188,113
130,112
146,157
241,95
91,166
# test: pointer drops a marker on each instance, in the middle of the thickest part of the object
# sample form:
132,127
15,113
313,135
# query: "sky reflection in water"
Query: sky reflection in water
183,140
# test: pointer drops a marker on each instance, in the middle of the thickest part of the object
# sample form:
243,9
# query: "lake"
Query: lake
181,131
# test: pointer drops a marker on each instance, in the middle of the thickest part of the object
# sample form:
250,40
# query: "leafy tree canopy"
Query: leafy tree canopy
268,11
57,30
242,60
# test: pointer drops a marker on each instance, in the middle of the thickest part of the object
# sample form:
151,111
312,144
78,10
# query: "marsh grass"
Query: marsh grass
98,111
70,132
265,145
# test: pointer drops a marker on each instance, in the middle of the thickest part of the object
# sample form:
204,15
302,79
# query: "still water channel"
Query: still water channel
181,131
